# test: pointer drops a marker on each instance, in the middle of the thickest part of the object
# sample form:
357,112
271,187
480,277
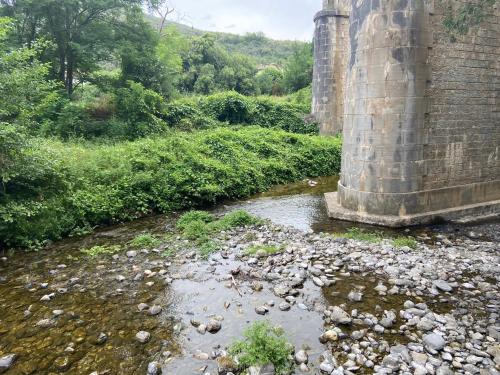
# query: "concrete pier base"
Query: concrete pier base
461,214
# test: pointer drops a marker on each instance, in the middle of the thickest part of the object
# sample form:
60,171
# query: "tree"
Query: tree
269,81
137,47
299,67
24,88
161,9
82,32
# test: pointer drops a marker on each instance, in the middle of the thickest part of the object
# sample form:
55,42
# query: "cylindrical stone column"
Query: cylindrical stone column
385,106
330,41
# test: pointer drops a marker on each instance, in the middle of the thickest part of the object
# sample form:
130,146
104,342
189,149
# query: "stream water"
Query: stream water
62,312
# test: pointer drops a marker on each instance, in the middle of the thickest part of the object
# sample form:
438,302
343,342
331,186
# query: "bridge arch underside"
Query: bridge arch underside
421,127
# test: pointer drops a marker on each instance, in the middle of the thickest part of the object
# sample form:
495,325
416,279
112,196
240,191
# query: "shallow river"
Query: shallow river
62,312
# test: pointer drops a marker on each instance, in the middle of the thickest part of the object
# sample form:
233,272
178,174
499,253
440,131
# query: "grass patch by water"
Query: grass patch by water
201,226
145,241
101,250
263,249
376,237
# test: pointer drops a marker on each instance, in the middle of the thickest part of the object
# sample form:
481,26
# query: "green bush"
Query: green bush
264,344
228,107
141,109
67,187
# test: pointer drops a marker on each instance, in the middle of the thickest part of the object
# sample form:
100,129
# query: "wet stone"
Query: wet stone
62,363
301,357
443,286
155,310
154,368
261,310
213,326
7,361
143,337
101,338
284,306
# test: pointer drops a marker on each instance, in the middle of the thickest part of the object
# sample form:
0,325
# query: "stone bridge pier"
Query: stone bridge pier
419,112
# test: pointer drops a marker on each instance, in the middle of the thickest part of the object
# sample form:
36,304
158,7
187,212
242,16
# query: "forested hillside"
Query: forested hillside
264,50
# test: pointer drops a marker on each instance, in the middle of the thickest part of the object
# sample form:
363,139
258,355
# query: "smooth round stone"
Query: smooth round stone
155,310
143,336
285,306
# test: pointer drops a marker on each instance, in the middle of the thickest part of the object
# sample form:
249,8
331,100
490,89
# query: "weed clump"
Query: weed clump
264,344
101,250
263,249
361,235
145,241
199,226
194,216
405,241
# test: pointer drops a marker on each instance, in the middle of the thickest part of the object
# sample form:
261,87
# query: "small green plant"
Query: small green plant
207,248
405,241
360,235
196,230
101,250
267,249
235,219
194,216
167,253
198,226
264,344
145,241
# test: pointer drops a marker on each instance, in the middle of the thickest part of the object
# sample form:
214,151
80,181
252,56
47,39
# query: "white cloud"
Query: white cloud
279,19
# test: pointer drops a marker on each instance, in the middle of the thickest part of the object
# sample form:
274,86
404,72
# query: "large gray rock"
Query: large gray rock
434,341
301,357
340,316
443,286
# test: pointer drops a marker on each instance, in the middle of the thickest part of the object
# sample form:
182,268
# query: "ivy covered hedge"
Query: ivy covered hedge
52,189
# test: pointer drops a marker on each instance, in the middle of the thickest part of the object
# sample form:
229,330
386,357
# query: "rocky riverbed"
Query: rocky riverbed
347,306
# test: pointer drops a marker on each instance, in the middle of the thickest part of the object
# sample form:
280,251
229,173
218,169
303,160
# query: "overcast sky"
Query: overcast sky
278,19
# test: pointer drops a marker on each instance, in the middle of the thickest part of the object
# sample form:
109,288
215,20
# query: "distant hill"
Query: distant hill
264,50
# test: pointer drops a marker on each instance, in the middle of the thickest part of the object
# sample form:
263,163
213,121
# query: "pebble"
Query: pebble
443,285
7,361
154,368
284,306
143,337
214,326
261,310
301,357
155,310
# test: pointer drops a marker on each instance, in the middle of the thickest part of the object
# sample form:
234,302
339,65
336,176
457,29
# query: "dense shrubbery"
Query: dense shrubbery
233,108
51,189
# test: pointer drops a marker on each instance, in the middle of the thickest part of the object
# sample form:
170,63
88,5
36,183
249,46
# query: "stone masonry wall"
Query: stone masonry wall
463,121
420,111
330,45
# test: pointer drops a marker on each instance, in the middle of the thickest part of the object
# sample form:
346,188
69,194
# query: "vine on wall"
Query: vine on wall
470,14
